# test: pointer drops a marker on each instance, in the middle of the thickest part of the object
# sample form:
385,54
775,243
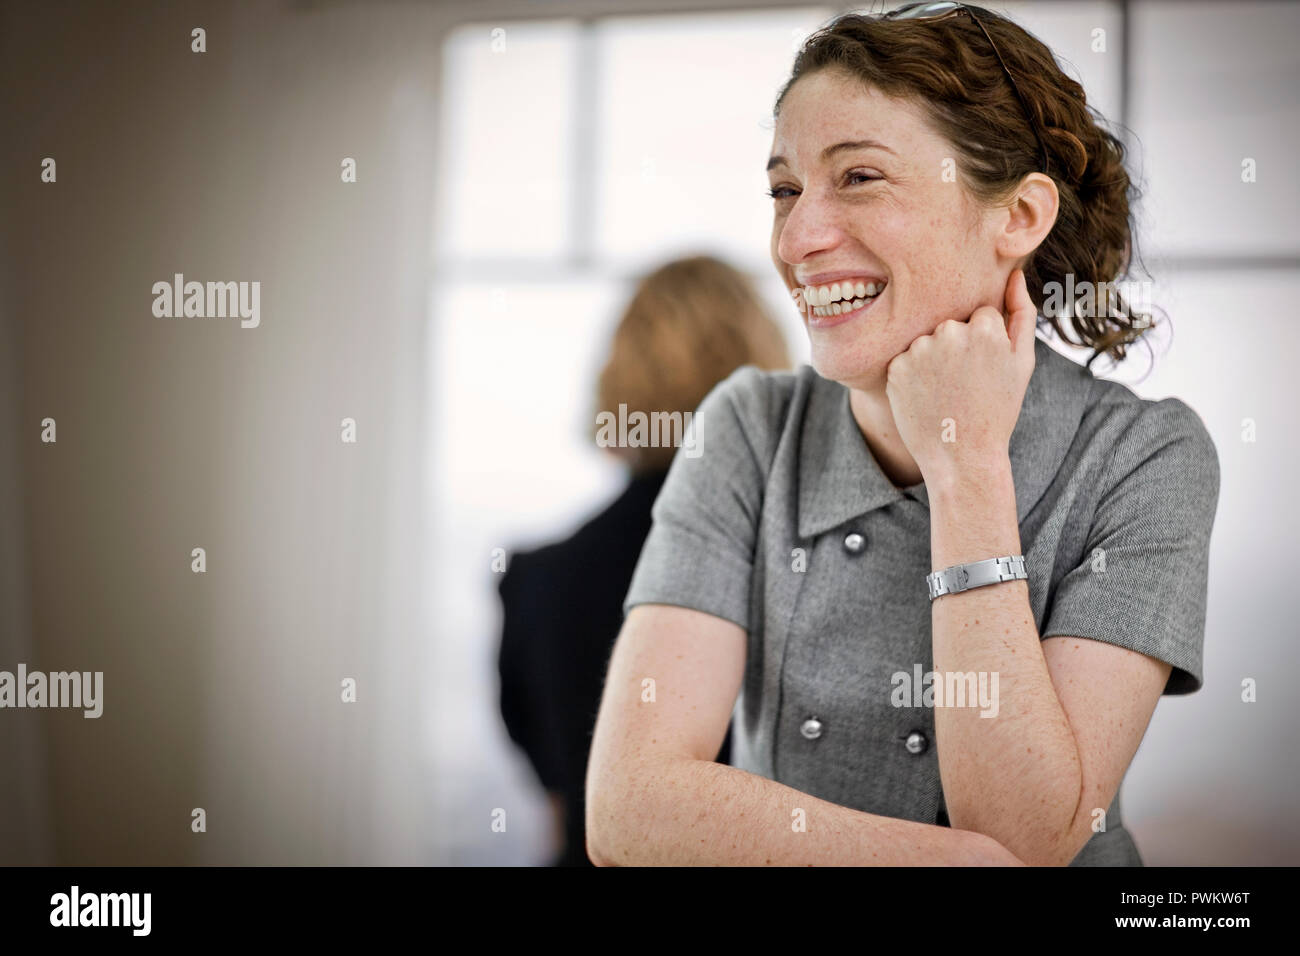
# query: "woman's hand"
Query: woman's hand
956,393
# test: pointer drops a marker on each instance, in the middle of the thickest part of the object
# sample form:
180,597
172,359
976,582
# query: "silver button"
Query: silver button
812,728
917,742
854,543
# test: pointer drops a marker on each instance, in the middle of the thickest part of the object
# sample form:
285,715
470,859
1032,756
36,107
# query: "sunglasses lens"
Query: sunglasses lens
921,10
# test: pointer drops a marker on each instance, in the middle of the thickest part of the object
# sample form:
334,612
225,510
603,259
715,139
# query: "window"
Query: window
577,153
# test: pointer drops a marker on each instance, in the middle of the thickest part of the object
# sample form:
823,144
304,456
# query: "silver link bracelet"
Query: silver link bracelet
976,574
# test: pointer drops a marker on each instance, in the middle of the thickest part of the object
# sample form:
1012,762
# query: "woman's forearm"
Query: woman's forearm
1010,767
681,811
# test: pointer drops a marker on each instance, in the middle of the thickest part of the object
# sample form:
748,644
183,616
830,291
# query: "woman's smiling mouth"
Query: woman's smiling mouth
839,302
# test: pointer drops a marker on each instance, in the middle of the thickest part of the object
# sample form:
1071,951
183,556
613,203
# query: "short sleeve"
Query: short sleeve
1143,579
700,550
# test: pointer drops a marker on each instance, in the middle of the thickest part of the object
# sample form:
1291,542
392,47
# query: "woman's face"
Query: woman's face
887,210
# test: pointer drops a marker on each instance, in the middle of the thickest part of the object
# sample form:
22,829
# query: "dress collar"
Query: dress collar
840,479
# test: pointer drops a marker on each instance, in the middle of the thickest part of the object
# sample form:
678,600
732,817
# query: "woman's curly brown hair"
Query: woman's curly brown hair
948,66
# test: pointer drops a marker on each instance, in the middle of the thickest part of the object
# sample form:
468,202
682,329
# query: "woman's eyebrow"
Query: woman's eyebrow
831,151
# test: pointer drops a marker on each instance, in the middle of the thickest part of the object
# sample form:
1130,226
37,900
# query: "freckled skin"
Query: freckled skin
930,238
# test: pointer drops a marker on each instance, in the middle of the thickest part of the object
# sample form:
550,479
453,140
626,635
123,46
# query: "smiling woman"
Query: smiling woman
941,492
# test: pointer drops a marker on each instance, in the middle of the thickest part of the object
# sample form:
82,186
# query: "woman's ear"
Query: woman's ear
1030,216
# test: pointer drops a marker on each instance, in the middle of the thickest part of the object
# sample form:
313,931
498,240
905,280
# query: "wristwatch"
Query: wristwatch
963,577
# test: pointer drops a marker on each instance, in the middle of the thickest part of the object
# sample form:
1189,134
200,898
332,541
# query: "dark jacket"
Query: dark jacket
563,607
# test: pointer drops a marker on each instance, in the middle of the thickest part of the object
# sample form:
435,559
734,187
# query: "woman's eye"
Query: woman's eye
855,178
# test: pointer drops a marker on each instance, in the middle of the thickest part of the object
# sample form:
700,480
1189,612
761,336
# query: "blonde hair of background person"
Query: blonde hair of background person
689,324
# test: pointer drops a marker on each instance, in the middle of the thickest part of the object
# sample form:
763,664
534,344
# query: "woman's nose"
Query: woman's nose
811,227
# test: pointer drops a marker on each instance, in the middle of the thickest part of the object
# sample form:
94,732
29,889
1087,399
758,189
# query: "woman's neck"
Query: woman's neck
875,420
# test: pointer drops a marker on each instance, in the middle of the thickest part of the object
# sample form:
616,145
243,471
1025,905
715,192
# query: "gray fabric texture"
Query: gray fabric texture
784,471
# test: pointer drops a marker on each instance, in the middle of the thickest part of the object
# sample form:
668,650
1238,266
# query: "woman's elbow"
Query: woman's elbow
602,823
620,802
594,854
602,812
1050,849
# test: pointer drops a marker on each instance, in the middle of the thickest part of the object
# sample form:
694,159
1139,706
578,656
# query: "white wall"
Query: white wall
222,690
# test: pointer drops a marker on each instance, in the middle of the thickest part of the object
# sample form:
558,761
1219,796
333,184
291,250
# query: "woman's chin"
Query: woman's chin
855,367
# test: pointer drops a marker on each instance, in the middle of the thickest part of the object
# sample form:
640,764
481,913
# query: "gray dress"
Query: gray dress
785,524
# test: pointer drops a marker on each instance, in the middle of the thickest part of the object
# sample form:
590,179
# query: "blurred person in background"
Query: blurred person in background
689,325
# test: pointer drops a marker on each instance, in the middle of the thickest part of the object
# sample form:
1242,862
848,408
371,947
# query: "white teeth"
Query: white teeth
839,308
836,291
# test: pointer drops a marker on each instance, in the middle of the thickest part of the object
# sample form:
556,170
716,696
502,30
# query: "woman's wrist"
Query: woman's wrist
960,477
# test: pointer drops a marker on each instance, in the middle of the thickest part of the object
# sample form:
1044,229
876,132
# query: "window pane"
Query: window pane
513,373
1214,85
513,390
684,115
506,140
